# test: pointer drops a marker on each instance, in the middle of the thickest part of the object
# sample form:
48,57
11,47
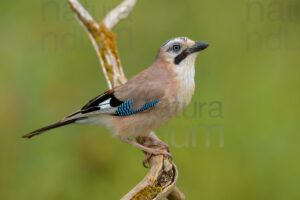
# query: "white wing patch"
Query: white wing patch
105,107
105,104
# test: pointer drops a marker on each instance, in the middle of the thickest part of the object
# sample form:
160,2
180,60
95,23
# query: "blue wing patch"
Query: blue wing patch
126,108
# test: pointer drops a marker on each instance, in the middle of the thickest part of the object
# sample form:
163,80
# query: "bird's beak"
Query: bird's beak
198,46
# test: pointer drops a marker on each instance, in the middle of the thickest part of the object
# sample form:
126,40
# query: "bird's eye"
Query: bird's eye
176,47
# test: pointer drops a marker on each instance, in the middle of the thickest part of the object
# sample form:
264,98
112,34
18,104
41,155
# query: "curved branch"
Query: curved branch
160,181
103,41
161,178
120,12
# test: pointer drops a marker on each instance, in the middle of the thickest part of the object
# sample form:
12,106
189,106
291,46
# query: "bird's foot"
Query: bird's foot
151,148
151,142
155,152
157,148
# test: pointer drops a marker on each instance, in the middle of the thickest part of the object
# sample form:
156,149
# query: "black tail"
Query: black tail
51,126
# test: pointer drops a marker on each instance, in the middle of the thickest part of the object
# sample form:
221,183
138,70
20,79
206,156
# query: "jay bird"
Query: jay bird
148,100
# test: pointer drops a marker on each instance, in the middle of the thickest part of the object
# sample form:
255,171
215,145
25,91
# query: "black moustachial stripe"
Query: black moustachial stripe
181,56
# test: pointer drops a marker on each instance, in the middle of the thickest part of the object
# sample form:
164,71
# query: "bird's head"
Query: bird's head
181,51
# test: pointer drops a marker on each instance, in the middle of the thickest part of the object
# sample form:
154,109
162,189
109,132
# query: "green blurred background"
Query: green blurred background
247,92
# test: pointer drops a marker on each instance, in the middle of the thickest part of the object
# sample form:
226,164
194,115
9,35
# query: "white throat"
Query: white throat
186,72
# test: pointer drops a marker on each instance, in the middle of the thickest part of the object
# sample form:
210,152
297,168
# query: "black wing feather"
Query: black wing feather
94,103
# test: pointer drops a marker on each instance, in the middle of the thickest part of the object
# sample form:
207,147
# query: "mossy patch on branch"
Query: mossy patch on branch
147,193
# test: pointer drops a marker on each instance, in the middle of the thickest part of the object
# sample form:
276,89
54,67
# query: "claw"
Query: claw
146,160
170,158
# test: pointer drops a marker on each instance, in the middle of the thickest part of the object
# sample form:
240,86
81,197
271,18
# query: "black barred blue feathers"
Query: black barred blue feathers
109,104
126,108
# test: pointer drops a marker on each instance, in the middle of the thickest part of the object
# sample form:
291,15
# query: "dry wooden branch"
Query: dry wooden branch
160,181
103,39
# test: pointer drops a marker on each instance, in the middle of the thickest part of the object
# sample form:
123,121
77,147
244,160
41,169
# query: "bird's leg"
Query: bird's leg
153,142
149,151
150,142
